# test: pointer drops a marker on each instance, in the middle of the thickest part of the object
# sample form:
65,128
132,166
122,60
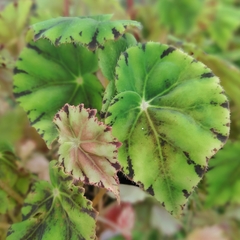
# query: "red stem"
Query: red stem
130,4
66,8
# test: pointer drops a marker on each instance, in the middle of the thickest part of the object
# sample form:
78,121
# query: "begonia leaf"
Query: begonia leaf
91,31
87,148
56,210
172,116
47,77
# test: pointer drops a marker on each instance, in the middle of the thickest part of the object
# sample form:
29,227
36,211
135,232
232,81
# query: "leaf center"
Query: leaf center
144,105
79,80
56,192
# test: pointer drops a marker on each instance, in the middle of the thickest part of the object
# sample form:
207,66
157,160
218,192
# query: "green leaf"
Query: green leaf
173,14
11,173
109,54
109,93
6,60
172,116
87,148
226,71
47,77
223,182
57,210
226,21
90,31
12,124
14,19
108,57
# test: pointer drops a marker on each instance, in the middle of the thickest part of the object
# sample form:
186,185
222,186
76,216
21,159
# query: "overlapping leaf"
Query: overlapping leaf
14,181
57,210
223,179
90,31
108,56
47,77
171,115
88,150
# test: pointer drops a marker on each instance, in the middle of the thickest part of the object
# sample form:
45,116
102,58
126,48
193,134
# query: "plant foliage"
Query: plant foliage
167,119
87,148
56,209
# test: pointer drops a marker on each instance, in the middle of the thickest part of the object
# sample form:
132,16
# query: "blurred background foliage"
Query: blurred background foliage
209,30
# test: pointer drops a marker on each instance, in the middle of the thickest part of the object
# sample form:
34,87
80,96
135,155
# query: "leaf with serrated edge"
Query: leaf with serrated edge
91,31
87,148
55,211
172,116
46,77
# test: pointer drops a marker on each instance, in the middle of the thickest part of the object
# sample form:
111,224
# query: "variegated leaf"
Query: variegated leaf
87,148
171,115
91,31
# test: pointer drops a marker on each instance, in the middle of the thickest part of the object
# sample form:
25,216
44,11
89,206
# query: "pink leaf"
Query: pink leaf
87,148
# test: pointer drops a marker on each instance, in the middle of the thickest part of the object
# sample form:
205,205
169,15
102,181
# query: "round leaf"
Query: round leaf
47,77
171,115
87,148
56,210
90,31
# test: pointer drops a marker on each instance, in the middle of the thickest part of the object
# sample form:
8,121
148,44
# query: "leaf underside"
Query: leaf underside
171,115
87,148
55,211
46,77
89,31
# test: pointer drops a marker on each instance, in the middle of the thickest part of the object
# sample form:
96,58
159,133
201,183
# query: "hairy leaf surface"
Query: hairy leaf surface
90,31
47,77
55,211
223,176
171,115
88,150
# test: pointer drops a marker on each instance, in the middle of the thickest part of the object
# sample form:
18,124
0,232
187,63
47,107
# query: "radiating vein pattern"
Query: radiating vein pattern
47,77
171,115
87,148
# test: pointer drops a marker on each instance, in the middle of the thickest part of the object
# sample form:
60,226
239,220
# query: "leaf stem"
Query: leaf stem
11,192
130,5
98,197
66,8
